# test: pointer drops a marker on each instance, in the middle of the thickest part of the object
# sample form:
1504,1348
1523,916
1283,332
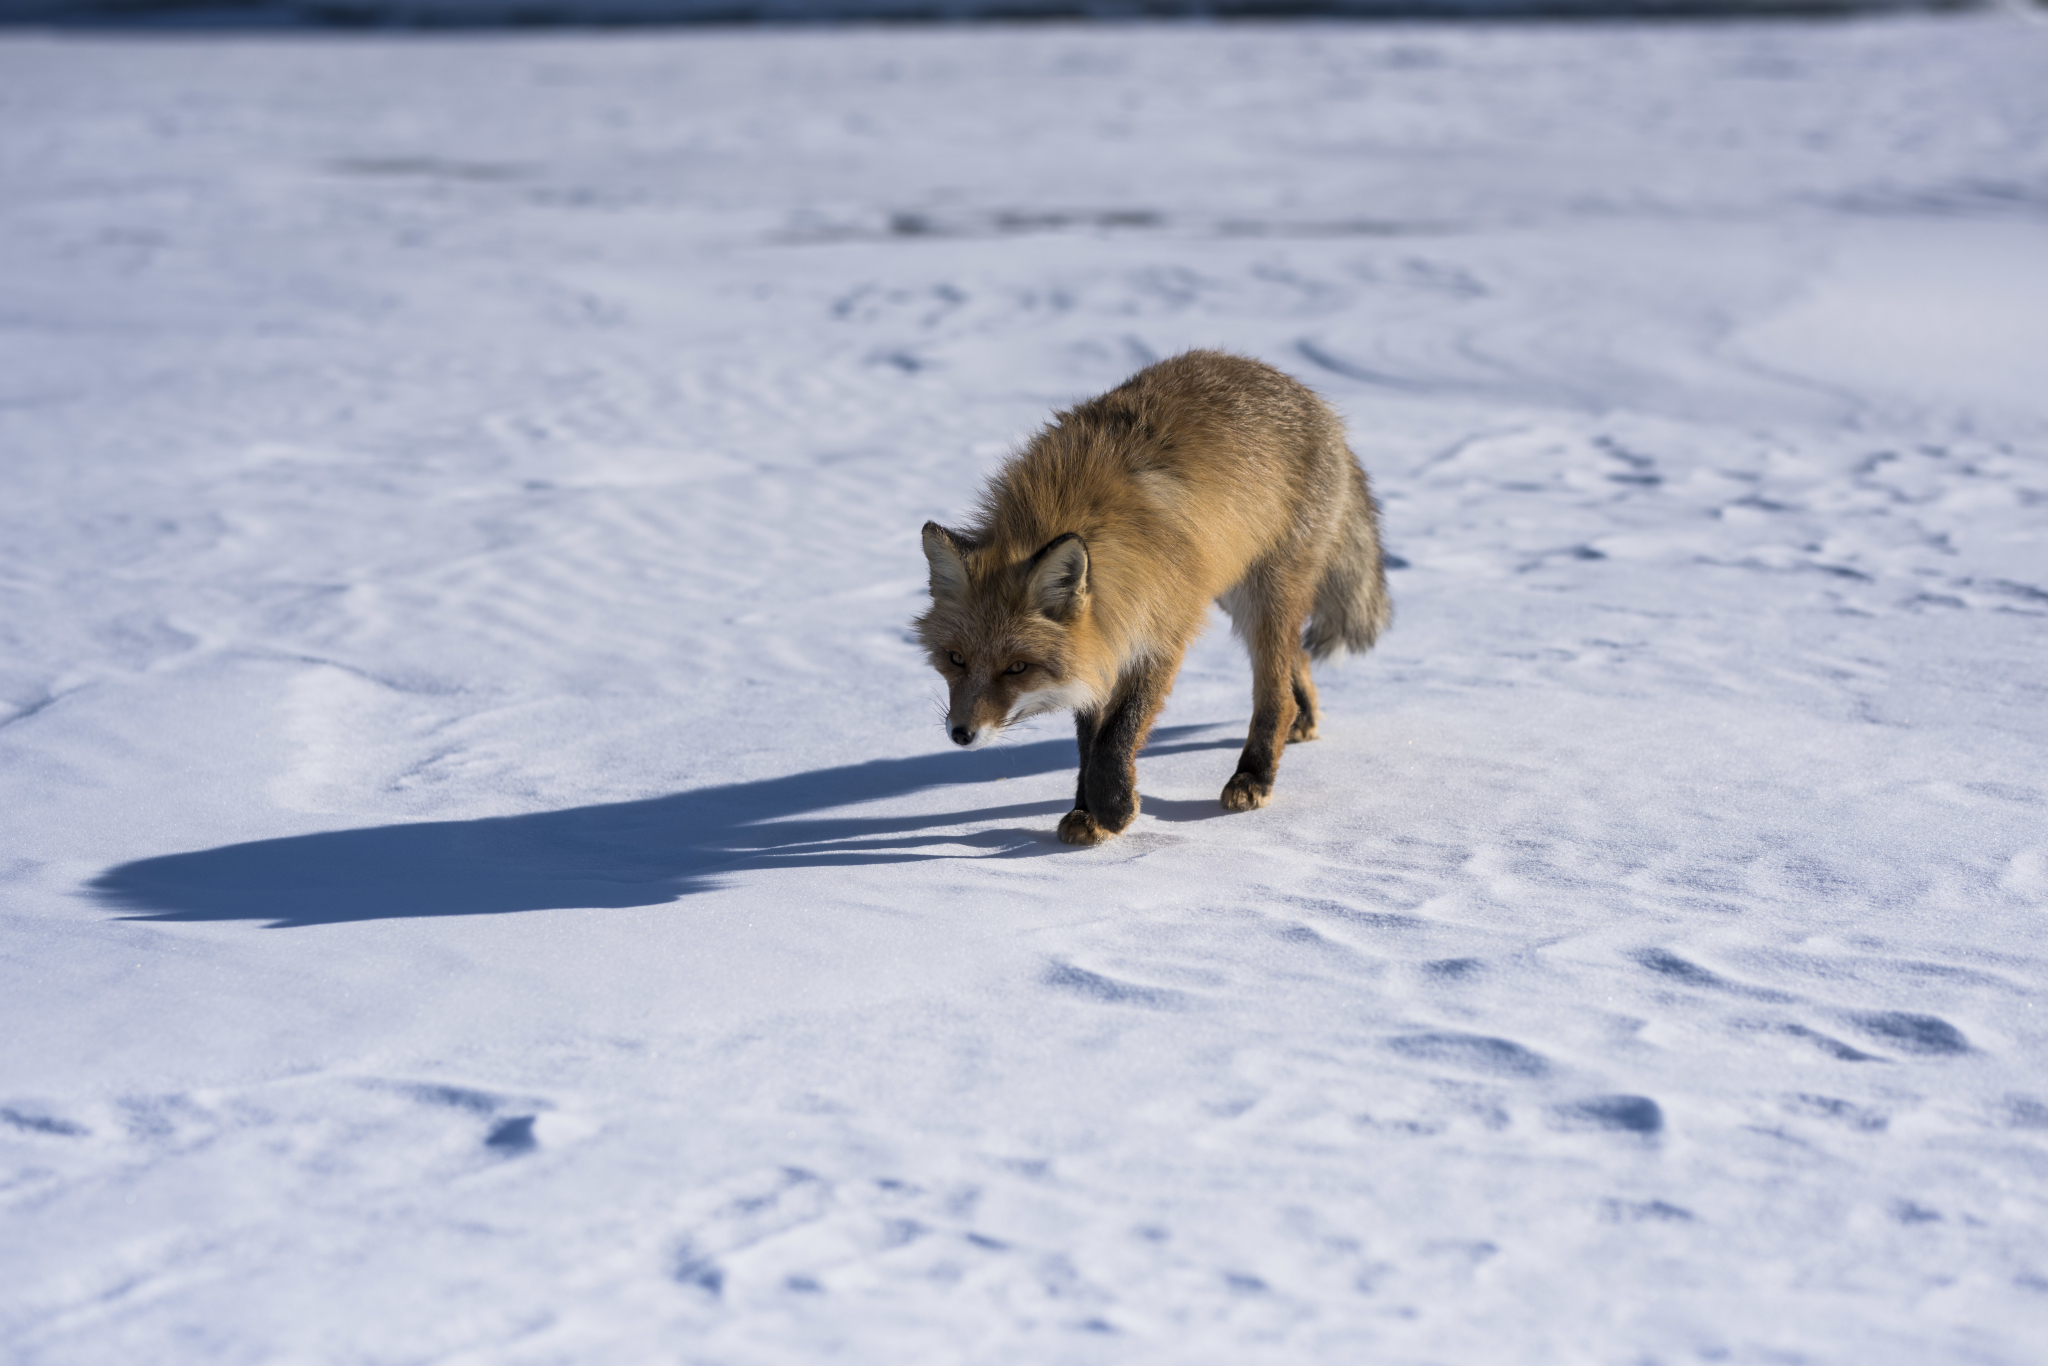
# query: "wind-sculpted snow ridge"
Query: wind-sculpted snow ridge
484,879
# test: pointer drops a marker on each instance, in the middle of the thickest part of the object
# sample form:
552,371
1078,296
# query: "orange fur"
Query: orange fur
1098,548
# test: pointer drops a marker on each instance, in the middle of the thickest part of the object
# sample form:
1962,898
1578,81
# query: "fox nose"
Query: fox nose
962,736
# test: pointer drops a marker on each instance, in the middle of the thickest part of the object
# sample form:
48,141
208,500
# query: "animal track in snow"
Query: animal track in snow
1473,1053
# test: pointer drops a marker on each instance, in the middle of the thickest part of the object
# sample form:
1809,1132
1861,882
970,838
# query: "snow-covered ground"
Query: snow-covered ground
484,880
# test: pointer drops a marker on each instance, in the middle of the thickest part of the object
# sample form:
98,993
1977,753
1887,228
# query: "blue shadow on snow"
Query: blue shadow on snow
623,854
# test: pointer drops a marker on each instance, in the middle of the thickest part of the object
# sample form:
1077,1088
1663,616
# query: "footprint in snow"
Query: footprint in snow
1473,1053
1109,990
1925,1035
1623,1114
513,1136
1643,1211
31,1122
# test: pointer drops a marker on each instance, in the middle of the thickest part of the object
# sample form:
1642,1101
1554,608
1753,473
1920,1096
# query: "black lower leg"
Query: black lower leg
1084,736
1261,756
1110,779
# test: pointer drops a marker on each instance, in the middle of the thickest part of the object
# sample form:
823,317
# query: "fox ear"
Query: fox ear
949,569
1059,576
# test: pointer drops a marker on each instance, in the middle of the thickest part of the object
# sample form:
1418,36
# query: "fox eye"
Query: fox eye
1019,667
959,662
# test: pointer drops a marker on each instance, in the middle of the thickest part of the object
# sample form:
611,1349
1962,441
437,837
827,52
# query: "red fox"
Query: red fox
1097,550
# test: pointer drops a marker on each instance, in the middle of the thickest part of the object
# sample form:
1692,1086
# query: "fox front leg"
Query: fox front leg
1106,799
1078,826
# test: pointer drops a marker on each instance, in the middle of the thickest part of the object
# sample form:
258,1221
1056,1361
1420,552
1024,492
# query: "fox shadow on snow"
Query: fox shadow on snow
622,854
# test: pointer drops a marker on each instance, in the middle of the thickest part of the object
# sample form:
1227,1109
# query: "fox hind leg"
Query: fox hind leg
1279,678
1305,706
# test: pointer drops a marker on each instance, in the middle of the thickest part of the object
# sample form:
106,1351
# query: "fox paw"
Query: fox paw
1304,728
1245,792
1078,827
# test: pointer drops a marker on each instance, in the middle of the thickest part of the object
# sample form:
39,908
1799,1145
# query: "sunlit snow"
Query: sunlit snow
484,880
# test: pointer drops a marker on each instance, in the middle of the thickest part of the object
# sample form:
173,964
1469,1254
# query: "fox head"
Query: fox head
1011,637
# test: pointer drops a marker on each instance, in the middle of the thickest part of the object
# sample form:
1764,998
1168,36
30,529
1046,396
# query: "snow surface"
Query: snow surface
484,880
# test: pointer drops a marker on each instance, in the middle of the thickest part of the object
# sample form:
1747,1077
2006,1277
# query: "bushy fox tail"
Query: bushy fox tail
1352,606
